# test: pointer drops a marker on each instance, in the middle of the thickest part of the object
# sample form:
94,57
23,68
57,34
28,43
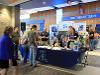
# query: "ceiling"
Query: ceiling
12,2
41,3
44,3
34,6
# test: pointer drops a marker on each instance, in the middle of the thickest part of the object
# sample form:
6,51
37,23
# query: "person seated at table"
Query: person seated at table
64,42
56,43
45,37
73,36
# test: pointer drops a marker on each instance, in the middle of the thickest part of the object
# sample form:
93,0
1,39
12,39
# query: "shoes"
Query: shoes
31,64
91,50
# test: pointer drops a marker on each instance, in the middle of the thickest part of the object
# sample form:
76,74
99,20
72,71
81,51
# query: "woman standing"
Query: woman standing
6,50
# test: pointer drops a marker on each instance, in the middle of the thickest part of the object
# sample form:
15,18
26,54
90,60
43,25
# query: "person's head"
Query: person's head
94,29
65,38
8,30
87,29
34,27
90,29
16,29
71,29
45,29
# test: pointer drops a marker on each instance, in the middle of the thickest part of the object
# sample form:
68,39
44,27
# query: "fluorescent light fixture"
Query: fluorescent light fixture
35,10
25,16
74,3
28,11
44,8
86,1
62,5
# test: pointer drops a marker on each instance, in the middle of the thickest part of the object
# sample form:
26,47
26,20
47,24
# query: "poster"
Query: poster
64,26
81,26
53,33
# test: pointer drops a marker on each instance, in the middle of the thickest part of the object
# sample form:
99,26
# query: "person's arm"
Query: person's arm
77,37
36,37
10,47
91,34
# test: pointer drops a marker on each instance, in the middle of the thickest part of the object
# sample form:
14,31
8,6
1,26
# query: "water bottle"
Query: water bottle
76,45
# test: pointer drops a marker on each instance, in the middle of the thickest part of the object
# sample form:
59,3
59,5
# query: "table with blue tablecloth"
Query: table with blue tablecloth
61,58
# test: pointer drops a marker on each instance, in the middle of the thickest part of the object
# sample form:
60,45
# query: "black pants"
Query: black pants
15,52
4,64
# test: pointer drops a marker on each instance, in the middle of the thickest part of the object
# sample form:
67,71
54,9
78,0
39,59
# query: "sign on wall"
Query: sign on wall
88,16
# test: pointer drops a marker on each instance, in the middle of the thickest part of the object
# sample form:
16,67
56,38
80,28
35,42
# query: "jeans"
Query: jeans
32,55
95,43
92,44
26,53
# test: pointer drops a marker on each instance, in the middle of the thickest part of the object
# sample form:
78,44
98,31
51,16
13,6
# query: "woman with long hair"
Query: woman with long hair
73,35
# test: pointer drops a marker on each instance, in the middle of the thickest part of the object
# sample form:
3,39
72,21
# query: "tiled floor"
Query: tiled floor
88,70
51,70
41,70
93,60
95,52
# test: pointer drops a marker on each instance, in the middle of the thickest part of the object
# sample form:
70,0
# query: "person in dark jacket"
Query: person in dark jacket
15,38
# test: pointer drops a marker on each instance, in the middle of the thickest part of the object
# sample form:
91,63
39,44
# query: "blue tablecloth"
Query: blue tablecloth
61,58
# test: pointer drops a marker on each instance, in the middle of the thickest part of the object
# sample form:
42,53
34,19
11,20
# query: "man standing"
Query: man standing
91,39
15,38
33,38
45,37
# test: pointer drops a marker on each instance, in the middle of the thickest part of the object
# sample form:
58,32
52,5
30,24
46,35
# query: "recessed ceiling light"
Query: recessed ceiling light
44,2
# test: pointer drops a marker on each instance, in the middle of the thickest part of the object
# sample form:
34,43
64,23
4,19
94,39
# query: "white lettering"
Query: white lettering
72,17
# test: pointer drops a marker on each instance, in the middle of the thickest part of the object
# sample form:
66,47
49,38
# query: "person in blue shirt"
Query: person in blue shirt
6,49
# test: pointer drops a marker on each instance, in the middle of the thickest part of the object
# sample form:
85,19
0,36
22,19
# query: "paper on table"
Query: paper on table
48,47
56,48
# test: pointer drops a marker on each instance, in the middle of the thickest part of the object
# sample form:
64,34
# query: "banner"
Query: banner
89,16
64,26
81,26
